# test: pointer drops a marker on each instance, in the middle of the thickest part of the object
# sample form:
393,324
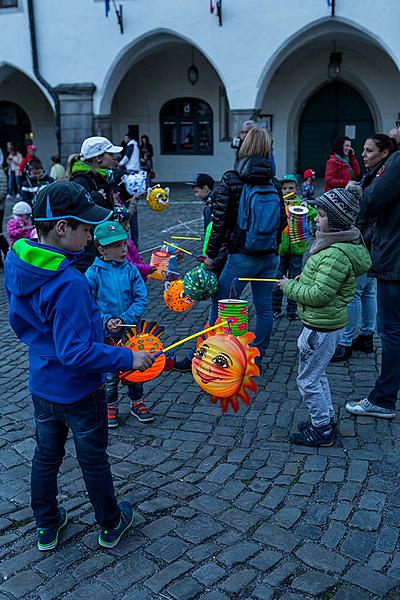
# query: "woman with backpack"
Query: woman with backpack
249,216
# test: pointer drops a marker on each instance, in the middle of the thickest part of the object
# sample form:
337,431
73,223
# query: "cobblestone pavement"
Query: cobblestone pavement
225,507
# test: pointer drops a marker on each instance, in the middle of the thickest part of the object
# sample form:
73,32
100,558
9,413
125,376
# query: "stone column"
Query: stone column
102,126
76,115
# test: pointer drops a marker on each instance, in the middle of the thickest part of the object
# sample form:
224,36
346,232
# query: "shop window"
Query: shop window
186,127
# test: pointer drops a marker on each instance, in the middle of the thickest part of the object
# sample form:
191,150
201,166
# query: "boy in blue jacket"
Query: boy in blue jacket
52,311
121,295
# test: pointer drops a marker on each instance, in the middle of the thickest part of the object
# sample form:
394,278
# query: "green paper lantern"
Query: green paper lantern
200,284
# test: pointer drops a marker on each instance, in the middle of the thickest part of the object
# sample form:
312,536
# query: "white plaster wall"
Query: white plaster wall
144,90
368,70
77,43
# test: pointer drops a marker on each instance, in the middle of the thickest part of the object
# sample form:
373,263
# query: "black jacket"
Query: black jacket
382,202
253,170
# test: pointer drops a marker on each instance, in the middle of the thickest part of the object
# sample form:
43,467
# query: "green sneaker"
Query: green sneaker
365,408
109,538
48,538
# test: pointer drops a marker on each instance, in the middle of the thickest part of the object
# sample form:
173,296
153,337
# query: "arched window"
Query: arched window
186,127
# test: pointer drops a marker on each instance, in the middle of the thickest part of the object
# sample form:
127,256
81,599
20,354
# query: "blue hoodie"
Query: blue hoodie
118,290
52,311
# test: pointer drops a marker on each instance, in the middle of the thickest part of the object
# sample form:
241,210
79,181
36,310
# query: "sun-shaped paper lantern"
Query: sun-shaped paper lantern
175,298
144,338
224,367
200,284
158,198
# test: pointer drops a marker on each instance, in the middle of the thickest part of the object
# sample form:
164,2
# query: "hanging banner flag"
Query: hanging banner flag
107,7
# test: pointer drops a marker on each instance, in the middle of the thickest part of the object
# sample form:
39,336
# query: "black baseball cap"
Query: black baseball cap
67,200
201,180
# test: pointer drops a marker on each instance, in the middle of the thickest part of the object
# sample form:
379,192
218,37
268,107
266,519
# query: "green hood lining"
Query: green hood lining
42,258
81,167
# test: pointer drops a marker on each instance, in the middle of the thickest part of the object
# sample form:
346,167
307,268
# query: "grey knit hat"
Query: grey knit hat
342,206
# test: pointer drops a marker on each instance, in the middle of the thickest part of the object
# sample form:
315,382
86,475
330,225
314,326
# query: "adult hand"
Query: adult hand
281,284
114,325
141,361
208,263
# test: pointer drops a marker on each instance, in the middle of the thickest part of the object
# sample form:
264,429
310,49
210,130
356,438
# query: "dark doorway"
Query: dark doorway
335,109
15,126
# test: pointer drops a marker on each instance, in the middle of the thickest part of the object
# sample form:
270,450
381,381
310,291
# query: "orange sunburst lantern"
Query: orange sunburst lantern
224,367
175,298
146,338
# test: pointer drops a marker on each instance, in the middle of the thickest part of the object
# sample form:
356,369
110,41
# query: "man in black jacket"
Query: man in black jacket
382,201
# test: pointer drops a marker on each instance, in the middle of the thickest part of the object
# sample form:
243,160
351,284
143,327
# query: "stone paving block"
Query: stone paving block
91,590
277,537
313,582
281,573
22,584
162,578
137,593
387,539
56,586
317,557
238,455
59,561
334,474
239,519
378,560
266,559
358,470
301,489
159,527
92,566
394,570
229,538
180,489
365,519
372,501
208,504
203,551
274,497
342,511
239,553
358,545
214,595
286,517
159,504
222,473
236,582
125,573
186,589
209,574
318,514
333,535
167,548
263,591
20,561
326,492
348,593
199,529
374,582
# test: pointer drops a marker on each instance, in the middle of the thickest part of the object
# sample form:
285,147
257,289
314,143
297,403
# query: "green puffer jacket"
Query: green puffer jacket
327,284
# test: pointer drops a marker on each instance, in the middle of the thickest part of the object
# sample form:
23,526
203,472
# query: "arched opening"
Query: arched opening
15,126
186,127
335,109
369,78
155,82
25,113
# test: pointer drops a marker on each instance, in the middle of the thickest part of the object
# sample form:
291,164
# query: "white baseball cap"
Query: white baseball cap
22,208
96,145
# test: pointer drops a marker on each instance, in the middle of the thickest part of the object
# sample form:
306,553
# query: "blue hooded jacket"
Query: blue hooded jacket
118,290
52,311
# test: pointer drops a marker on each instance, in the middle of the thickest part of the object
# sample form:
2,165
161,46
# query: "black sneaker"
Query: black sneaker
314,436
342,353
293,316
303,424
364,343
183,366
108,538
48,538
141,412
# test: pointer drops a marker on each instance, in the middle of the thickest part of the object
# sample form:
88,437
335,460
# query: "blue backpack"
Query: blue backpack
259,218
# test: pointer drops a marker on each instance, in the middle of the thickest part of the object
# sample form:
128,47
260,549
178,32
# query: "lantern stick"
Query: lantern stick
191,337
183,237
256,279
288,195
177,247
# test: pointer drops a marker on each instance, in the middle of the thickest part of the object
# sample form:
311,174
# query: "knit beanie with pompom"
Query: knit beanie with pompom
341,205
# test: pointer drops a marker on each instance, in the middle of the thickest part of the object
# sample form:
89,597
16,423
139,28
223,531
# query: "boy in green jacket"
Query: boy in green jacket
322,292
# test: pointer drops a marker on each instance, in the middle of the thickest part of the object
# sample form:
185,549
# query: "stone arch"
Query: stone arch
134,52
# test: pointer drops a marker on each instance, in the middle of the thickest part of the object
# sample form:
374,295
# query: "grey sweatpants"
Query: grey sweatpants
316,349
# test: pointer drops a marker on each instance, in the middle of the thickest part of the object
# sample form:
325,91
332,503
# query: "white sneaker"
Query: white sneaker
365,408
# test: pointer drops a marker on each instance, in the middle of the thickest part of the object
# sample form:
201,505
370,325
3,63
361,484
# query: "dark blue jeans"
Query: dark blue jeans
387,385
289,266
87,419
